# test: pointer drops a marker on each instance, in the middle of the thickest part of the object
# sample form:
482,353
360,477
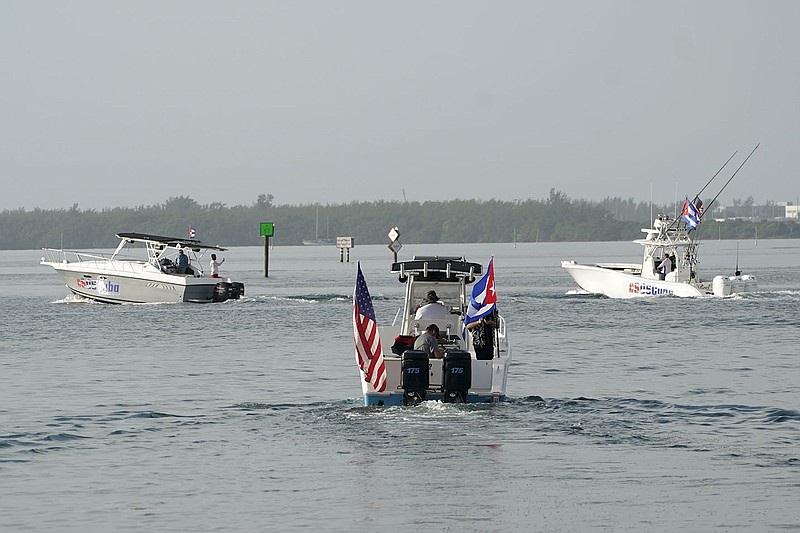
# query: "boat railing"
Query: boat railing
57,255
501,327
394,322
94,260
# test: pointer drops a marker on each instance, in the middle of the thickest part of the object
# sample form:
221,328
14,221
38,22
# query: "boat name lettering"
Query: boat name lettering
87,284
643,288
91,285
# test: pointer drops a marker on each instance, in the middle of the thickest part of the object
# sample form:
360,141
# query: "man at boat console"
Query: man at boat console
183,262
432,308
428,342
665,266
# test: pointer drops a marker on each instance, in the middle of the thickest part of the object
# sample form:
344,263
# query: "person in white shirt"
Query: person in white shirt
665,267
215,265
433,308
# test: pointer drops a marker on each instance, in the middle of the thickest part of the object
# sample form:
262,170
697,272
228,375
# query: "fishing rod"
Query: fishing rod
707,209
715,175
696,196
691,251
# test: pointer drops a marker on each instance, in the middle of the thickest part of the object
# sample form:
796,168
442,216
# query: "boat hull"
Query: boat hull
622,281
395,399
488,380
114,287
616,283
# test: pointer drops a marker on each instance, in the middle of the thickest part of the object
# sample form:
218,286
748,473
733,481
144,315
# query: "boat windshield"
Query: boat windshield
448,293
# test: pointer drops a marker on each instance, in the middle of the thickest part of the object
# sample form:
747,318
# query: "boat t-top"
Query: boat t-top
143,269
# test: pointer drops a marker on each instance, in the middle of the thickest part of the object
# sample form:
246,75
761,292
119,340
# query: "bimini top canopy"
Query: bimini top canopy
172,242
438,268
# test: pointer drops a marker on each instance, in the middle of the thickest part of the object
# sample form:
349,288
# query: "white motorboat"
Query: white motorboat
142,269
670,237
321,241
460,376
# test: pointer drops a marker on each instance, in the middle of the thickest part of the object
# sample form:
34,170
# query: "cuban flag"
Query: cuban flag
192,233
484,298
690,215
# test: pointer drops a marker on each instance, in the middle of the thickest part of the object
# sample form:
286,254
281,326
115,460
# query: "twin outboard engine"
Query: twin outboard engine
225,290
415,376
457,376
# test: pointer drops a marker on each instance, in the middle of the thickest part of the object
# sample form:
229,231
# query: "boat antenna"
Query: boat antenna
708,207
737,272
675,203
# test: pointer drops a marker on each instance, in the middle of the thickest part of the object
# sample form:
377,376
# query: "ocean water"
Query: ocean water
651,415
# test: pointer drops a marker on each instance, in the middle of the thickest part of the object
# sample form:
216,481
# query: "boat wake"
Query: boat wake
306,298
75,299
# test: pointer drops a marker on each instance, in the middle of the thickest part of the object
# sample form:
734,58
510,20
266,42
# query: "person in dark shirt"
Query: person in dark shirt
183,262
482,331
428,342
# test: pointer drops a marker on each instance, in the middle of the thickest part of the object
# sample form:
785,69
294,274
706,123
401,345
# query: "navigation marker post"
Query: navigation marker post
344,244
267,231
394,245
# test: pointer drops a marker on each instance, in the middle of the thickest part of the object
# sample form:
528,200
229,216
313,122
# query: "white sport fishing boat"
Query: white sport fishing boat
142,269
633,280
460,376
671,238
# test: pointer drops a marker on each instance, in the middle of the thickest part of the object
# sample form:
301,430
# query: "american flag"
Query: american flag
698,203
369,355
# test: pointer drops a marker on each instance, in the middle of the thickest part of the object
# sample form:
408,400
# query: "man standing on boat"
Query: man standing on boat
215,265
428,342
433,308
665,267
183,262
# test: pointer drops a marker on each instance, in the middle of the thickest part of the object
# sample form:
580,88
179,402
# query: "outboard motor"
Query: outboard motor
221,291
238,289
233,291
457,376
415,376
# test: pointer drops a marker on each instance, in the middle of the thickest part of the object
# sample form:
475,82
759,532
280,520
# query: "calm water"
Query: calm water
658,415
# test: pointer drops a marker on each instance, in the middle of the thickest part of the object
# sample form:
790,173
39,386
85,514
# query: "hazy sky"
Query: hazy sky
128,103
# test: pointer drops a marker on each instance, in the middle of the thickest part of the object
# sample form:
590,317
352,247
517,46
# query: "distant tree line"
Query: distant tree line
556,218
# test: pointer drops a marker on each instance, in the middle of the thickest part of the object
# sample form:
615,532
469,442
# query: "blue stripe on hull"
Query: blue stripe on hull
397,399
